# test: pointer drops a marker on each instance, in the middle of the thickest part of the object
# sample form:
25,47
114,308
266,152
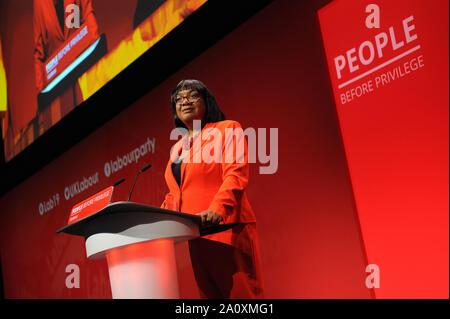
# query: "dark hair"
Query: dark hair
212,111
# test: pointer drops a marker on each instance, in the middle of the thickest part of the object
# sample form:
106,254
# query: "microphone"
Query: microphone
143,169
120,181
140,171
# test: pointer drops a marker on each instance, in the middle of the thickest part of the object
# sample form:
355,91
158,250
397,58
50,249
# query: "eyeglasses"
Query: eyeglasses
191,98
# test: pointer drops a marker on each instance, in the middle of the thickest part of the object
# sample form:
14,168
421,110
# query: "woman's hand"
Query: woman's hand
210,218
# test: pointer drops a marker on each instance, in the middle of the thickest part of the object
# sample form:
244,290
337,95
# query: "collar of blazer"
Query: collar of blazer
186,142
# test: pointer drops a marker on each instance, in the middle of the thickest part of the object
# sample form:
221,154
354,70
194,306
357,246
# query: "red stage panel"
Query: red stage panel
391,91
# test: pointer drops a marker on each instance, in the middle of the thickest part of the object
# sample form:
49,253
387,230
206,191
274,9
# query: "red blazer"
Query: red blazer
48,36
218,186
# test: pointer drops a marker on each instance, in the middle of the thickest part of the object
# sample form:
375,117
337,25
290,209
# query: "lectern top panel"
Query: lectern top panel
75,228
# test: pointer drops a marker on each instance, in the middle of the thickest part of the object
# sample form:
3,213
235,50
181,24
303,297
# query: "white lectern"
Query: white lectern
138,243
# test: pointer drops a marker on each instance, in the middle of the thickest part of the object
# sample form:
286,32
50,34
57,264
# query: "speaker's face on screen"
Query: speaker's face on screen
190,106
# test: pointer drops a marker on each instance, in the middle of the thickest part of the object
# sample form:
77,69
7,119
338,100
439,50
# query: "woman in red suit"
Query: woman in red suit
206,177
50,31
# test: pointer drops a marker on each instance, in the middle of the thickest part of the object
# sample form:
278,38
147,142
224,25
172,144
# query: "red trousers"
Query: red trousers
228,272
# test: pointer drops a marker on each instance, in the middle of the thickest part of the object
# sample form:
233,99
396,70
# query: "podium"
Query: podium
137,242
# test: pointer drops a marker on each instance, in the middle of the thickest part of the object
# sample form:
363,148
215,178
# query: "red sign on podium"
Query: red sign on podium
90,205
68,52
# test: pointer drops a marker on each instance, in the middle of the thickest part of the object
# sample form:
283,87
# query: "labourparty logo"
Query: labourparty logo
107,169
133,156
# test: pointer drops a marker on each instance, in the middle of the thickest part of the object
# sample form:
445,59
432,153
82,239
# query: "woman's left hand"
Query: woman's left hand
210,218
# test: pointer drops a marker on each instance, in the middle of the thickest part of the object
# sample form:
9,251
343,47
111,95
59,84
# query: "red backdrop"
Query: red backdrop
396,137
